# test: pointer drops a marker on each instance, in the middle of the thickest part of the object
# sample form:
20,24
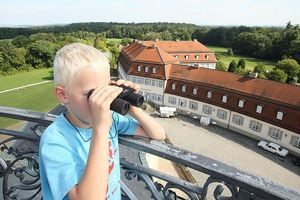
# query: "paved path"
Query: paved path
25,86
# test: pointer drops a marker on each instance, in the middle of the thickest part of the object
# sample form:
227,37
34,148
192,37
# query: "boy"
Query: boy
79,157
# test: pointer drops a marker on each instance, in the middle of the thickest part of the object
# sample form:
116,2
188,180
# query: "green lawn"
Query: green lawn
38,98
223,56
25,78
115,40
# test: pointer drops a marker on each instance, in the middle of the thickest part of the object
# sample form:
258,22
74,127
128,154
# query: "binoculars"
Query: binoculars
123,101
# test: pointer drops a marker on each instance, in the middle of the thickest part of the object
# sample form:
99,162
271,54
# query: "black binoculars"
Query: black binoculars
123,101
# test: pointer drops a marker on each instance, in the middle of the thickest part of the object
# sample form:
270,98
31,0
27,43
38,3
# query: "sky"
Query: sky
200,12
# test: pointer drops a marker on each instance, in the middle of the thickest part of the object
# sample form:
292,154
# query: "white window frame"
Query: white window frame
207,109
224,98
193,105
133,79
222,114
153,82
241,103
259,109
279,115
159,97
197,57
146,69
238,119
209,94
160,83
255,126
275,133
295,141
139,68
195,90
147,81
186,57
174,86
140,80
182,102
172,100
183,88
154,70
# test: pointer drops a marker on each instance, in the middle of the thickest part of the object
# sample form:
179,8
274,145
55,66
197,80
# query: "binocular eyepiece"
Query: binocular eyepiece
123,101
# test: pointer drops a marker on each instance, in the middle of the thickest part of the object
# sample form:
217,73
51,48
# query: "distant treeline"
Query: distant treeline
260,42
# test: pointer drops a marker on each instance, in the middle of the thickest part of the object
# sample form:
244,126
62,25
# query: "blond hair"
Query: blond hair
72,58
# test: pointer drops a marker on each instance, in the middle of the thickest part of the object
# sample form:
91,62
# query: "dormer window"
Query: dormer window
176,56
197,57
173,86
195,91
146,69
279,115
241,103
224,99
206,56
153,70
183,88
186,57
139,68
209,94
259,109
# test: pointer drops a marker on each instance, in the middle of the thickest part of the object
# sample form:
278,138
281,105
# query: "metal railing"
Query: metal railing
19,168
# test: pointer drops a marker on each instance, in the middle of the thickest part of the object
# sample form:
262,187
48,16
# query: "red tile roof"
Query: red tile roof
272,90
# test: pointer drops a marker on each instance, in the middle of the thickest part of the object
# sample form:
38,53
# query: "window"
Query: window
186,57
238,119
172,100
160,83
275,133
159,97
197,57
279,115
195,91
139,68
224,99
153,70
182,103
241,103
255,126
259,109
295,141
133,79
193,105
183,88
207,109
222,114
206,56
173,86
209,94
176,56
153,82
147,81
154,96
140,80
146,69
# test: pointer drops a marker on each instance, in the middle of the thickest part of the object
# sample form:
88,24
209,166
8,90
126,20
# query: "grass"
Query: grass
25,78
37,98
223,56
117,41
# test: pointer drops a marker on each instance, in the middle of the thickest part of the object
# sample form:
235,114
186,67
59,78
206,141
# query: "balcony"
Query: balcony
19,171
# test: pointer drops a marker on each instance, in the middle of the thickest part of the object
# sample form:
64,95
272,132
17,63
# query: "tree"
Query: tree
241,64
40,54
166,35
232,66
261,70
289,66
221,66
125,41
277,75
21,41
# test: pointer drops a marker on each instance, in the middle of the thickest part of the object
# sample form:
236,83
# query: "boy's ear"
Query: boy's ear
61,95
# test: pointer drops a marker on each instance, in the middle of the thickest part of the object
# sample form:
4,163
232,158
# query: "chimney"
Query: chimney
177,40
153,46
156,39
195,40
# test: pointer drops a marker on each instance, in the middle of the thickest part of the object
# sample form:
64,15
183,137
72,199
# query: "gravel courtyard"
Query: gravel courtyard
231,148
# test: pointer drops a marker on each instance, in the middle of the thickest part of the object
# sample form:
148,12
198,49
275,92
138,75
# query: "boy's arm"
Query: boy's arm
147,127
94,181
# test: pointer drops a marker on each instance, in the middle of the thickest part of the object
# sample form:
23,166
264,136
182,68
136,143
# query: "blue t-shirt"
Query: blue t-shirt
63,156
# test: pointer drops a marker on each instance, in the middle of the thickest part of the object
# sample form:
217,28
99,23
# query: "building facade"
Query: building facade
261,109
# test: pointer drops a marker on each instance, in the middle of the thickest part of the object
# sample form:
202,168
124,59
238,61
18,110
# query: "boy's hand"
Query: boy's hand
130,84
99,102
